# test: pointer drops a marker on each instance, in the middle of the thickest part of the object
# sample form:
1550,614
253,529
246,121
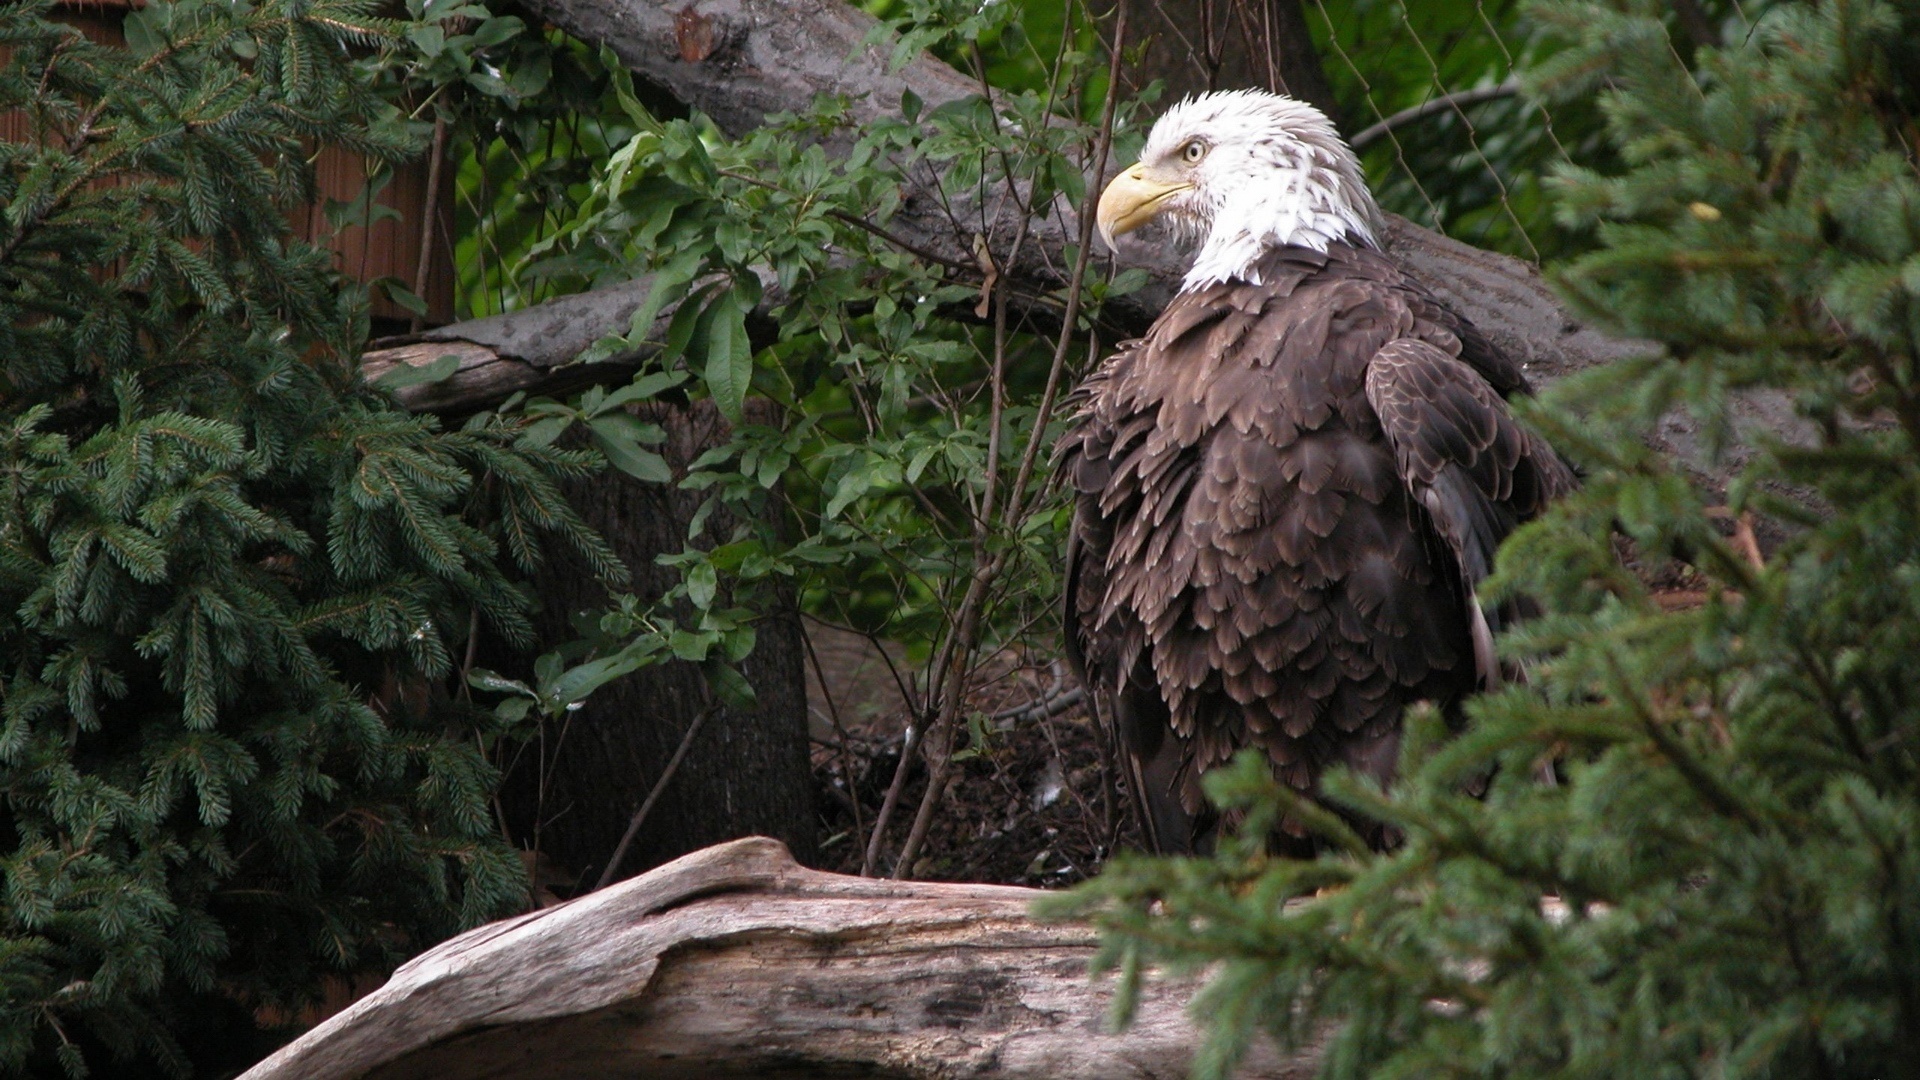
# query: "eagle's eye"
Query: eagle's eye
1194,151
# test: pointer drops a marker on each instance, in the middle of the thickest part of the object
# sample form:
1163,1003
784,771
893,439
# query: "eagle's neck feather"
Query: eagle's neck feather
1305,191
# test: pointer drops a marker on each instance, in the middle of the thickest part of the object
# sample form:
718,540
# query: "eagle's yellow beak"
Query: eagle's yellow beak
1132,200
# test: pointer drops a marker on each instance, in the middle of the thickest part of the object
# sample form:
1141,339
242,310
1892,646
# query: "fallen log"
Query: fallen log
735,961
740,61
531,350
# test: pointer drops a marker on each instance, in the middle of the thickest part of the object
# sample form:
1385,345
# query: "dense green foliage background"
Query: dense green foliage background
918,406
238,587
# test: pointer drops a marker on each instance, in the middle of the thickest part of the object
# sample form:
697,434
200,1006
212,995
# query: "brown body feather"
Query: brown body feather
1285,494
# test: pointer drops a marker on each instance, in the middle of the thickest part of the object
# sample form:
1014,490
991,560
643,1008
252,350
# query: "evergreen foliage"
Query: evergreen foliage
235,582
1723,879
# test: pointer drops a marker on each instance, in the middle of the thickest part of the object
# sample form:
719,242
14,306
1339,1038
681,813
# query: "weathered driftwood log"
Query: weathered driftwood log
737,962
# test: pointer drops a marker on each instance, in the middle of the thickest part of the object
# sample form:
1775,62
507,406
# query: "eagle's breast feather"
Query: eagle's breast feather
1285,494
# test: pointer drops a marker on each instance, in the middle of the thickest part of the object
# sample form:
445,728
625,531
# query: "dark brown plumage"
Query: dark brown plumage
1285,494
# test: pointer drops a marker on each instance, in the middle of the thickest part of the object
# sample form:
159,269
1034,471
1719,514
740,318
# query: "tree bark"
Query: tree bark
570,796
1194,46
736,962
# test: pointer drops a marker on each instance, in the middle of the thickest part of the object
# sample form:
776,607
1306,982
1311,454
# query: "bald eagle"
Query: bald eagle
1288,490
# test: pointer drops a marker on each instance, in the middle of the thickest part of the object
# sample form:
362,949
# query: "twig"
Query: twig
953,667
428,214
1066,784
1445,102
473,647
1746,542
952,671
950,668
864,225
1052,705
833,714
908,747
1708,786
659,786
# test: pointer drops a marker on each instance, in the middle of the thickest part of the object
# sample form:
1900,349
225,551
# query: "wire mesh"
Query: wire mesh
1450,140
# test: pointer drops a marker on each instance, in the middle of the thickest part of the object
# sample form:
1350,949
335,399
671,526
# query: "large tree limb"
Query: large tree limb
737,962
742,60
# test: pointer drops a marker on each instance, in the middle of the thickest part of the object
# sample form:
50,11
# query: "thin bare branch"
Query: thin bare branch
1459,99
653,796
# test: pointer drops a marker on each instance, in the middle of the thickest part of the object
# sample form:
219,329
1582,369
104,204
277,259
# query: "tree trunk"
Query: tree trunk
1194,46
572,793
736,963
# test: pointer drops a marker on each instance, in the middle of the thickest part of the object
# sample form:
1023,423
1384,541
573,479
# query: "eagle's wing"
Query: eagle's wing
1465,459
1109,656
1126,705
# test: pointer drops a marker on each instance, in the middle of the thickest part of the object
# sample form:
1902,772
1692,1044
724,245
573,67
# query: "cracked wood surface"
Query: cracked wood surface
735,961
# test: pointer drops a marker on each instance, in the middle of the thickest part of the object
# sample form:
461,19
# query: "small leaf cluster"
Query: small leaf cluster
236,583
1697,853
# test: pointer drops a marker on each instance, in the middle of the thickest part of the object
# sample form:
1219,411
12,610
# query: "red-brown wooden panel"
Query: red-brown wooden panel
391,248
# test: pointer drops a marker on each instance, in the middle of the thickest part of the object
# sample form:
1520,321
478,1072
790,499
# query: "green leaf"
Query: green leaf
644,388
403,375
702,583
577,683
543,432
435,10
617,441
428,39
400,294
862,478
729,368
667,285
494,682
731,687
364,209
496,30
1068,179
740,641
687,325
689,645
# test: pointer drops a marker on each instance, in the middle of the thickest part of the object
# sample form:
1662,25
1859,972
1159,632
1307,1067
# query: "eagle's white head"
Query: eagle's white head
1243,172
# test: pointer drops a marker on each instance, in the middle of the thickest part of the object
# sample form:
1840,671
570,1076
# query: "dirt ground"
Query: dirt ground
1031,801
1034,801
